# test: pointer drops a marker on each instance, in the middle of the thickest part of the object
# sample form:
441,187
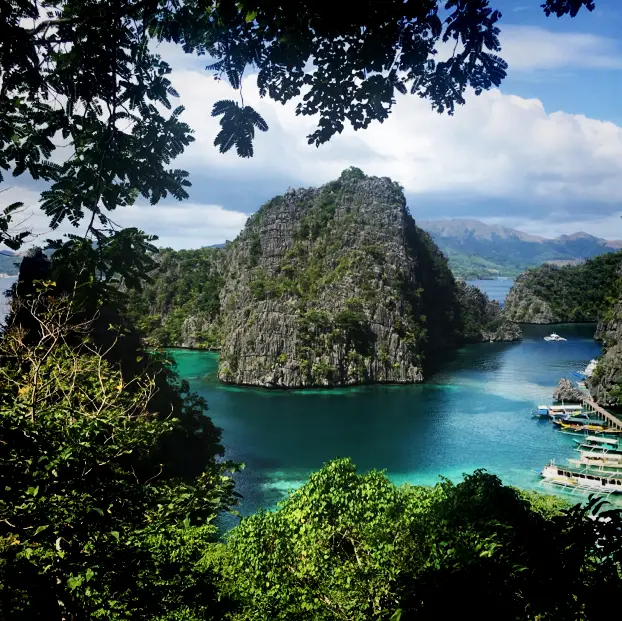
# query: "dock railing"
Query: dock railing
592,406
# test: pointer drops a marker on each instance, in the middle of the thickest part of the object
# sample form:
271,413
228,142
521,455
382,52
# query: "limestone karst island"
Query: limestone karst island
310,312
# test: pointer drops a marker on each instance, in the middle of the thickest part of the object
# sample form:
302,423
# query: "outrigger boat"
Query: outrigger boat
609,448
580,479
559,410
601,466
579,425
596,441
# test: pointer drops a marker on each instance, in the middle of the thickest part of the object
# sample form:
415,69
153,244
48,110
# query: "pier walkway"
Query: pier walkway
592,406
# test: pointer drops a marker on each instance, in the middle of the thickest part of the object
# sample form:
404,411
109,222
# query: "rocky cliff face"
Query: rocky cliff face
606,382
336,286
523,305
565,392
482,319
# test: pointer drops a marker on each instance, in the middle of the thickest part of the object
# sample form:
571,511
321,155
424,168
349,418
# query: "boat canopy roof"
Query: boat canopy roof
603,440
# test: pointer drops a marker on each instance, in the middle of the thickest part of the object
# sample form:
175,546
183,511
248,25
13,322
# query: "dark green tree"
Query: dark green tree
354,547
94,523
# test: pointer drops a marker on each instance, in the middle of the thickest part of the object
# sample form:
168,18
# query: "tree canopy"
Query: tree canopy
95,520
352,546
83,75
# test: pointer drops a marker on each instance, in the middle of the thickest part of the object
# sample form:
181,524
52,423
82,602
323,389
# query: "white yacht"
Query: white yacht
554,337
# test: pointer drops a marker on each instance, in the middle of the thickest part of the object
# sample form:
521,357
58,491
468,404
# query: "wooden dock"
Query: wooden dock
593,407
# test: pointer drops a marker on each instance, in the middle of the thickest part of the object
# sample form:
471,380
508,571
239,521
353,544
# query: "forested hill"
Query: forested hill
479,250
180,305
551,294
324,286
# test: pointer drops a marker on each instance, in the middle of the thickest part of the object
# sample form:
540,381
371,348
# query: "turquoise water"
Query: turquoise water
476,412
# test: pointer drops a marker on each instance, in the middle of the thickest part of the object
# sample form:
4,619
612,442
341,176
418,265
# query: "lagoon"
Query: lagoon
475,412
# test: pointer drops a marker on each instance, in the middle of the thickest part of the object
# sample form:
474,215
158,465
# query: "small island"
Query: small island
328,286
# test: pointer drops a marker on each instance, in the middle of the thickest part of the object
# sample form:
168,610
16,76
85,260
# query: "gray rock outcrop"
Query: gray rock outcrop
337,286
482,318
605,385
566,392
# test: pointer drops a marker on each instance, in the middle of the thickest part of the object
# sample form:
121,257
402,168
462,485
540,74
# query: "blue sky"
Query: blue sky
592,89
542,154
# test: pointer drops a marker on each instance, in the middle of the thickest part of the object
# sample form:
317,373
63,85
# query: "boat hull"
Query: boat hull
583,480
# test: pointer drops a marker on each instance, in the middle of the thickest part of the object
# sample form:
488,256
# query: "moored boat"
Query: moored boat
609,447
578,478
602,466
579,425
559,410
598,441
554,337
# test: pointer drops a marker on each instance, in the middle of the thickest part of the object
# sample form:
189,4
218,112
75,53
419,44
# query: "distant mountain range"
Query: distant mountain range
479,250
474,249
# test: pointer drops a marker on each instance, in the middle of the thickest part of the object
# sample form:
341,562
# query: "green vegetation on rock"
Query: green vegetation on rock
338,286
576,293
606,382
180,304
328,286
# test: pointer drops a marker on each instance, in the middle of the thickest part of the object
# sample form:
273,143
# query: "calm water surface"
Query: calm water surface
495,289
475,413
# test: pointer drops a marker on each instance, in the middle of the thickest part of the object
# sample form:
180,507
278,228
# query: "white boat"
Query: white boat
596,454
575,478
554,337
559,410
602,466
598,441
589,369
604,448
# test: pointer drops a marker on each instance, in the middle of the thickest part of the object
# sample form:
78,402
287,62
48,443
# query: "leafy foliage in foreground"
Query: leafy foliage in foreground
353,546
95,520
83,75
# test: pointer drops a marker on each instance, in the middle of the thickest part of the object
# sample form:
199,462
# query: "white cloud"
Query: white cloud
178,225
526,48
607,227
184,225
497,145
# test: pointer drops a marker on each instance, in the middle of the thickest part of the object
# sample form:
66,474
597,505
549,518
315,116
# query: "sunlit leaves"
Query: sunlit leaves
91,523
354,546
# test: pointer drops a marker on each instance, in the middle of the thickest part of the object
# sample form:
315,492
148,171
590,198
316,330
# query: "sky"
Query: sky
542,154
